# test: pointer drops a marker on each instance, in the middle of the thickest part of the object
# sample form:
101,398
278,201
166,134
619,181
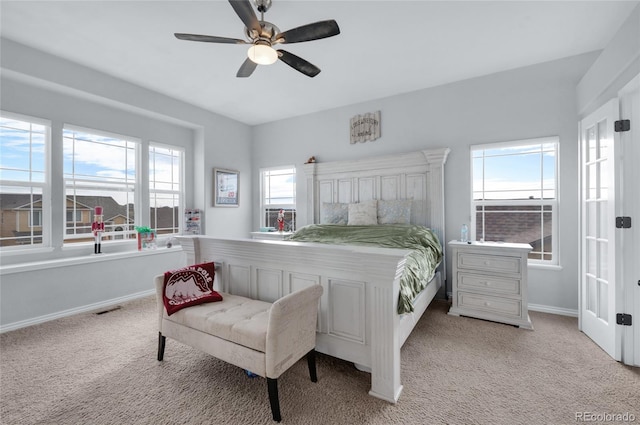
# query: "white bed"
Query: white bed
358,319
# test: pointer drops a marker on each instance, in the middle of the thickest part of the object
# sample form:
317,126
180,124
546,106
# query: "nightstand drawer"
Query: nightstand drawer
488,284
489,304
489,262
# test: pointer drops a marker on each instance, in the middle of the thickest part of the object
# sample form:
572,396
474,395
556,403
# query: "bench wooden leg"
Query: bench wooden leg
311,361
161,341
272,385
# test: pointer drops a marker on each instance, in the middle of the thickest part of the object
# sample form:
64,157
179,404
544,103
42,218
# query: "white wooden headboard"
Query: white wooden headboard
416,175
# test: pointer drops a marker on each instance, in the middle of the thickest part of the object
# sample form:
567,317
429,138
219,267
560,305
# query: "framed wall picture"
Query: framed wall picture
226,185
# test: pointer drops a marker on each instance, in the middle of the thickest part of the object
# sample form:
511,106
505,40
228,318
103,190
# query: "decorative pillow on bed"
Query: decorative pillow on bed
189,286
334,213
397,211
363,214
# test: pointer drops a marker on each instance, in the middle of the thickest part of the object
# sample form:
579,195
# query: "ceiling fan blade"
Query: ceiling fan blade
245,12
209,38
298,63
314,31
247,68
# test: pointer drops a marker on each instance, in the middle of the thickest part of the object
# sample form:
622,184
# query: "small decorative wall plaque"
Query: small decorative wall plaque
227,188
365,127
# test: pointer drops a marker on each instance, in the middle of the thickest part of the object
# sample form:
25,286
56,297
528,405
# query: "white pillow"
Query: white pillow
334,213
397,211
363,214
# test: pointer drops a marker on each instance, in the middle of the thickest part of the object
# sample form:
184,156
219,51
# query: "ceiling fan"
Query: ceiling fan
264,35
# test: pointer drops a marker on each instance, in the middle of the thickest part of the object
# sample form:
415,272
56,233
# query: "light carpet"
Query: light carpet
102,369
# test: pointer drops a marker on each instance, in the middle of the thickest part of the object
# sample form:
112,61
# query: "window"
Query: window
24,185
35,219
74,216
165,188
515,196
99,170
278,192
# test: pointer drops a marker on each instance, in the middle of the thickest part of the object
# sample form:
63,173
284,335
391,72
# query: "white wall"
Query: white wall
37,84
524,103
614,68
34,293
215,140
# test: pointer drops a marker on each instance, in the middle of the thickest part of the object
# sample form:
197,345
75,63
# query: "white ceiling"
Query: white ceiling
385,47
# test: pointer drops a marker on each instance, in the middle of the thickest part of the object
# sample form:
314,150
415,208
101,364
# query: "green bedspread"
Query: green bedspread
420,265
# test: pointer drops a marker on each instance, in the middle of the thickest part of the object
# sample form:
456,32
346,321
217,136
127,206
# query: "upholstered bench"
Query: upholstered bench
261,337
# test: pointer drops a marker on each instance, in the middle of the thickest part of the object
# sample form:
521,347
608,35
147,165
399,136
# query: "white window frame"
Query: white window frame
86,184
181,190
554,203
264,206
44,187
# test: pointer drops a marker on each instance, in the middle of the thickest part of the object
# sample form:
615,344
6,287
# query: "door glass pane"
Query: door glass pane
603,142
591,181
603,300
592,258
591,218
603,176
591,145
603,248
592,295
603,219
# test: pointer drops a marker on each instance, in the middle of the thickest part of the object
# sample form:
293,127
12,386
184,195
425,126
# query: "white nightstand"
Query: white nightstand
490,281
273,236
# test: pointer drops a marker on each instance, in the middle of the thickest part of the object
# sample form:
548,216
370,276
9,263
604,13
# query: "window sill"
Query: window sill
549,267
8,252
76,260
83,248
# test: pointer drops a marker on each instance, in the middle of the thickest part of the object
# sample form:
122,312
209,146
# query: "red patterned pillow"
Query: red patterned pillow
189,286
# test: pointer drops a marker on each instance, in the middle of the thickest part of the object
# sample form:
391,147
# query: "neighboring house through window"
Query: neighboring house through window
35,219
278,191
515,195
166,190
74,216
24,182
99,170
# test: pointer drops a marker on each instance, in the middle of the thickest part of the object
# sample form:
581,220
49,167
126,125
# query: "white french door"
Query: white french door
598,198
629,239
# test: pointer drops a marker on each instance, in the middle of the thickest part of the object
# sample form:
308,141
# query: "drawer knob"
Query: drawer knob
485,283
487,303
486,263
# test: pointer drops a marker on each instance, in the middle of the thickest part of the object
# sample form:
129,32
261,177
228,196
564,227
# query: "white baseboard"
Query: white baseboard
83,309
553,310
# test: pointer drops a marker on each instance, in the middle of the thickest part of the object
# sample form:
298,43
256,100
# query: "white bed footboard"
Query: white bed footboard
358,318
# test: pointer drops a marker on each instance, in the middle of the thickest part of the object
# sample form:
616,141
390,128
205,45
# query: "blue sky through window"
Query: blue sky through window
518,172
22,151
280,186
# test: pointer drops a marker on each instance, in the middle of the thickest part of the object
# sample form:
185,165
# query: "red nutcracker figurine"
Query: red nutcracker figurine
97,227
281,221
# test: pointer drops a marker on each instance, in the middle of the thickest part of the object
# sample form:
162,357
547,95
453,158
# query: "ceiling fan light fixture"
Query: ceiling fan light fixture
262,35
262,54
